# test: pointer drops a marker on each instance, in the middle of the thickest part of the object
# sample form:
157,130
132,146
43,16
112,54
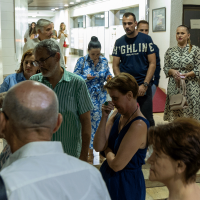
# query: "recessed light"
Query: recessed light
52,9
33,16
71,3
56,8
66,5
78,0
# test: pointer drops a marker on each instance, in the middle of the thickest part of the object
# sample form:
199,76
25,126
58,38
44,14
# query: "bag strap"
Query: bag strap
83,65
181,86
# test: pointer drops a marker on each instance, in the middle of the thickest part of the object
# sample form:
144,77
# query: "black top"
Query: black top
3,195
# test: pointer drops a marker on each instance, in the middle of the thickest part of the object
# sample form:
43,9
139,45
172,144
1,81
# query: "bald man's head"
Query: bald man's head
30,104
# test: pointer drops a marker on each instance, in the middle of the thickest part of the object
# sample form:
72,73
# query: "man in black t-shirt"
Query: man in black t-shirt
134,53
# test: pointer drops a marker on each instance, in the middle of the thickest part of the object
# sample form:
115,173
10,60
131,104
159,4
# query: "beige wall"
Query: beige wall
191,2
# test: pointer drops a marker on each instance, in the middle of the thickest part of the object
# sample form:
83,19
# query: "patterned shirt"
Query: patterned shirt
11,80
74,100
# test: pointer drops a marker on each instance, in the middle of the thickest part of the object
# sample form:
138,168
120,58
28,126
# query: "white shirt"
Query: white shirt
30,44
42,171
26,35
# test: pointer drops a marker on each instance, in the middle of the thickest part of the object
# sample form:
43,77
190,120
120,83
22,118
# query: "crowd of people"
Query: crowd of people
53,119
36,32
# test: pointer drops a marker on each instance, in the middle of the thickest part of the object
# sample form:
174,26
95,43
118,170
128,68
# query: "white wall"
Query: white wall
1,56
10,57
164,40
176,19
60,16
161,39
21,24
7,30
99,6
106,5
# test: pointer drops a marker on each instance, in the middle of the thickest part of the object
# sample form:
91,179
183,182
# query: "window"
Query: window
99,19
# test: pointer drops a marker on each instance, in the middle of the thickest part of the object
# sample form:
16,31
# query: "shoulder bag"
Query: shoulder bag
179,101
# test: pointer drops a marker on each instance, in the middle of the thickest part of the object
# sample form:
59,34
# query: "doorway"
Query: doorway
192,12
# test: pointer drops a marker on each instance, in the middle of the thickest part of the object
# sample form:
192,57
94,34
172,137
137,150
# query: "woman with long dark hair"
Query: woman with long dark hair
94,69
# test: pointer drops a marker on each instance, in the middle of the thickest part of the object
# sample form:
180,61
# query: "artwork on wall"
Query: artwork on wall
159,19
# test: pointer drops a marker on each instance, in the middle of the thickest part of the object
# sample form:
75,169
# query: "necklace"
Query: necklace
128,119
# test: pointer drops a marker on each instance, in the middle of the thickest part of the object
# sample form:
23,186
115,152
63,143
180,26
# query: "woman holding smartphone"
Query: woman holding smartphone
183,61
94,69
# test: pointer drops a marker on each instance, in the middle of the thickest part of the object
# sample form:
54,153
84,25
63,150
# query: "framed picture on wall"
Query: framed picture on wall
159,19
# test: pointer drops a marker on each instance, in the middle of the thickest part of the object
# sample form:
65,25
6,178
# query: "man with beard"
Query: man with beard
74,100
44,29
134,53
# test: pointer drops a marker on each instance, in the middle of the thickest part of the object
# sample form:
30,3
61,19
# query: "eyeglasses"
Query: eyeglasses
42,62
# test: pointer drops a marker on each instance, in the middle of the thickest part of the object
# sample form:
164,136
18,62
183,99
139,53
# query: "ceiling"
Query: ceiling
50,4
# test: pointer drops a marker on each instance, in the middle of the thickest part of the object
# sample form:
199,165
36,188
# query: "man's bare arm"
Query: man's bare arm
116,61
152,67
86,134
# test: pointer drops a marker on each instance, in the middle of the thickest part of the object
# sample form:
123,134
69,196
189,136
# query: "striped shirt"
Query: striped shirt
74,100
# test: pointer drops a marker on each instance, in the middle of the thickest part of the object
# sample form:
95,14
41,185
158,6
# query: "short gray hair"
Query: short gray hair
41,23
48,44
24,117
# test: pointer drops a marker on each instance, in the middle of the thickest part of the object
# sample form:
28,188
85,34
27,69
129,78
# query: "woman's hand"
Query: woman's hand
108,77
106,109
176,74
89,77
189,74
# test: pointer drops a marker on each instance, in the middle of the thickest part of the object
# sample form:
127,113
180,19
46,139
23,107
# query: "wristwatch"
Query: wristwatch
146,84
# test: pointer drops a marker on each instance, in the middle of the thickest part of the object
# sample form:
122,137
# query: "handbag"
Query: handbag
65,45
179,101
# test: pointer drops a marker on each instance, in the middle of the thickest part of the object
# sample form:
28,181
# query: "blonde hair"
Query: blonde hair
188,41
61,24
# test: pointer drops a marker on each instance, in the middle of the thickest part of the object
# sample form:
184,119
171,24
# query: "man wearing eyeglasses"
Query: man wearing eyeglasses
74,100
44,29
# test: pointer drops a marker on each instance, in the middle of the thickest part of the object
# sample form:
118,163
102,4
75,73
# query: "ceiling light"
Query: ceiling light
102,16
56,8
52,9
33,16
78,0
71,3
66,5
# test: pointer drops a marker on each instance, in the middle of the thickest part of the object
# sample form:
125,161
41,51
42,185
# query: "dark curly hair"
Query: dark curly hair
180,140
